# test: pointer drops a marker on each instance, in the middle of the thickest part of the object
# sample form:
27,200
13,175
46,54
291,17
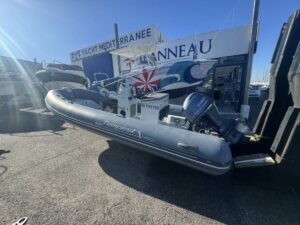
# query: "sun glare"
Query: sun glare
17,83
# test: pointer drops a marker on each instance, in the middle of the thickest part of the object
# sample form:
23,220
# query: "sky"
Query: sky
50,30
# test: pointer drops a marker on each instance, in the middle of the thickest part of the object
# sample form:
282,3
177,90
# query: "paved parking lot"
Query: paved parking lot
65,175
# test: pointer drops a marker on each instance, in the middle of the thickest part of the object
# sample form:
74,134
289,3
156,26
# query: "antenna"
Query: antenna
117,46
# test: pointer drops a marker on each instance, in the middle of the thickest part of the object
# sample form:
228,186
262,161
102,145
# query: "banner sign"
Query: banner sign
211,45
141,36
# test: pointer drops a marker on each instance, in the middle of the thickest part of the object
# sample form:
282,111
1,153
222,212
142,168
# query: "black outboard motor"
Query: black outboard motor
200,110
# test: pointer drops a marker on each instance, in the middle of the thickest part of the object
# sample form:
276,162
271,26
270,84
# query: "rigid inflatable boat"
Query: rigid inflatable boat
145,122
55,76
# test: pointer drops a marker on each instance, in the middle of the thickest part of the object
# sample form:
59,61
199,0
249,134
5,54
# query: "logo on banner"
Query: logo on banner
146,82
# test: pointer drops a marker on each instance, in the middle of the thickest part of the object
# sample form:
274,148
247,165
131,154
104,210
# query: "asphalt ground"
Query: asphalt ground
60,174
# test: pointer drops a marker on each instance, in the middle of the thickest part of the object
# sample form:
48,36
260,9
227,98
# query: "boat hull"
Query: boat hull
56,80
206,153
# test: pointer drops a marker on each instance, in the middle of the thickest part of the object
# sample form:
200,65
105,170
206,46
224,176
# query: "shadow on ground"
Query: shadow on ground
3,169
253,196
29,121
3,152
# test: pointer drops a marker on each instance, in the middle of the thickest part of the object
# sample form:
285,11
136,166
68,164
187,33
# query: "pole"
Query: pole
117,47
245,108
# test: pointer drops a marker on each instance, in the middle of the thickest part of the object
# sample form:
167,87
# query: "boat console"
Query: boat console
199,112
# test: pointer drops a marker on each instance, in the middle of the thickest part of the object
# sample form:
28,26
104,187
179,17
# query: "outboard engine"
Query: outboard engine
203,115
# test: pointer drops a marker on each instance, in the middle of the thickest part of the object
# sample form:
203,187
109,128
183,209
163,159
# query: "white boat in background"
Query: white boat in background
17,92
57,76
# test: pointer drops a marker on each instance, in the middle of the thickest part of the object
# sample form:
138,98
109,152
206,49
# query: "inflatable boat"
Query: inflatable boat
55,76
145,122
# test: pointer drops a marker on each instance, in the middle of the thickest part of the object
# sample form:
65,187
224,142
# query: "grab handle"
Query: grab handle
185,146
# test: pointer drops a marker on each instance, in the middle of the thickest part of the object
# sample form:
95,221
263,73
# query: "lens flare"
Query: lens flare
18,88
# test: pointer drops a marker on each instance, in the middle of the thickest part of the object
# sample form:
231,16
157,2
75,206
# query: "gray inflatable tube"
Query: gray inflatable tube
203,152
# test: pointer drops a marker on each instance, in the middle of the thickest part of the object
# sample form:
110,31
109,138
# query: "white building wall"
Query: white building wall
209,45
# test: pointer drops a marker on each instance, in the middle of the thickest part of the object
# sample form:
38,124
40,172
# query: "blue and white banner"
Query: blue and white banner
210,45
